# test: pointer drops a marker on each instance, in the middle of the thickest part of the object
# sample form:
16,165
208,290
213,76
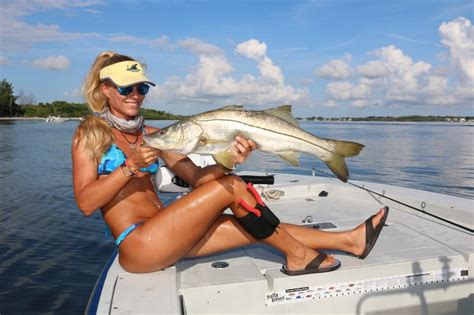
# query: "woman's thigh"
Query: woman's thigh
174,231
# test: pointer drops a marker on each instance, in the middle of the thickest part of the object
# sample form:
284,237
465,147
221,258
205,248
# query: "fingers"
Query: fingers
244,146
144,156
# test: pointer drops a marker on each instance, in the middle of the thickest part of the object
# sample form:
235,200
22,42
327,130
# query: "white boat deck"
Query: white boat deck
420,264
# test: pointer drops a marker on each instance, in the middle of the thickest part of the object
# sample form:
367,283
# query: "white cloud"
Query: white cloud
199,47
212,79
3,60
458,37
347,91
93,11
57,63
330,103
252,49
257,51
18,35
336,69
360,103
373,69
27,7
393,78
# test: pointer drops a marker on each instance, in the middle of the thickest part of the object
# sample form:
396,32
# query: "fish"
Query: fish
273,130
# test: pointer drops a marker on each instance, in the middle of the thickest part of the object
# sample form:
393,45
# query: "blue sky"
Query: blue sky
327,58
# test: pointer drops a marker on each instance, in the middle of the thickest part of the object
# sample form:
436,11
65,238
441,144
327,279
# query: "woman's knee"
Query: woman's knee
234,184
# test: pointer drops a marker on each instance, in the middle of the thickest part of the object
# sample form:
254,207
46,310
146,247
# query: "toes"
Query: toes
328,261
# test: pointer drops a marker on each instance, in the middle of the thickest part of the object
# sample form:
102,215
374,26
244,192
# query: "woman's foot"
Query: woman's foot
309,261
364,237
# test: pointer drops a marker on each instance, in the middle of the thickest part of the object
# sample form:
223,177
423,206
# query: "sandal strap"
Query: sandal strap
369,229
316,262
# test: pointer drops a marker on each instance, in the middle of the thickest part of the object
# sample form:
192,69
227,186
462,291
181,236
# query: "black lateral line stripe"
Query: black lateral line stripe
269,130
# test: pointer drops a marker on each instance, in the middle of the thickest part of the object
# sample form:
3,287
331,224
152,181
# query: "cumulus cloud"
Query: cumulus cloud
252,49
212,79
347,91
458,37
336,69
395,78
373,69
56,63
257,51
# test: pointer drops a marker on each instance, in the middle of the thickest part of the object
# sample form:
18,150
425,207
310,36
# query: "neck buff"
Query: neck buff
128,126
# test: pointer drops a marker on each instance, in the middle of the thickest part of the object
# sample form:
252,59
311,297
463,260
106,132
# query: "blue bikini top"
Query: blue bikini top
114,157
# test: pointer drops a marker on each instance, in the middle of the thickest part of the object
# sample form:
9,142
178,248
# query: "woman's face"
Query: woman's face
125,107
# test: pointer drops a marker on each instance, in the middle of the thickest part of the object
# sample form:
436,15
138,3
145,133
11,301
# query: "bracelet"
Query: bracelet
132,168
127,170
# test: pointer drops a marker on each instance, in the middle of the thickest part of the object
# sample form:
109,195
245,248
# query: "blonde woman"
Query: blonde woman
111,172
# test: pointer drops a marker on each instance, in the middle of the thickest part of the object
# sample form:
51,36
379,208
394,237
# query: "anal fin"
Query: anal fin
290,156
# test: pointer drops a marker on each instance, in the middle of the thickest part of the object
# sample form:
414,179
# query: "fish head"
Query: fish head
182,137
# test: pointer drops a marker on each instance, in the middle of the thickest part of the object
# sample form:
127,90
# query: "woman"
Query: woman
112,172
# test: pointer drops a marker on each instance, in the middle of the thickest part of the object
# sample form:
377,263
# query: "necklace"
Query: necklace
132,145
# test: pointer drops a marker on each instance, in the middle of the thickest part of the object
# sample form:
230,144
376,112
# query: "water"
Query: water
51,255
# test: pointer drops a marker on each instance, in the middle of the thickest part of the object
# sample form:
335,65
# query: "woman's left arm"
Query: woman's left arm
195,175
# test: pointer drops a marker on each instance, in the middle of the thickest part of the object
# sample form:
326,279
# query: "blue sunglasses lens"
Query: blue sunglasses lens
142,89
125,90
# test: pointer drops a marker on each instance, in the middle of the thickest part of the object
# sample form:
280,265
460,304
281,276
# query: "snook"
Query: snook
273,130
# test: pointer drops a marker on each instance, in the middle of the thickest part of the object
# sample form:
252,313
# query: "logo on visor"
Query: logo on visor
133,68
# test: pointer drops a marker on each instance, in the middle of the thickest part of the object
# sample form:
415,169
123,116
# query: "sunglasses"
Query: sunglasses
141,88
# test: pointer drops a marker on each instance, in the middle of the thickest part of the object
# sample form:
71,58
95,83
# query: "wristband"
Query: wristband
132,168
128,170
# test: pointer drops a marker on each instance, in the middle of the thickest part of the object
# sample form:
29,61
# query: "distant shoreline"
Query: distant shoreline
35,118
329,120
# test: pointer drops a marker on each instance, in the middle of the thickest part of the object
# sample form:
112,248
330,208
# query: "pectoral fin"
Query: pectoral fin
225,159
291,157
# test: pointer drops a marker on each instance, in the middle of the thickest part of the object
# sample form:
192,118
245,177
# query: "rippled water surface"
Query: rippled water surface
51,255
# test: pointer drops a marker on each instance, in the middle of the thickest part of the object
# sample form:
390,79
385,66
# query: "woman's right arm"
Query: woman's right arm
92,193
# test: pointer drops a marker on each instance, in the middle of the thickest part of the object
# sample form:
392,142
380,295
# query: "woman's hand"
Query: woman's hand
143,156
242,148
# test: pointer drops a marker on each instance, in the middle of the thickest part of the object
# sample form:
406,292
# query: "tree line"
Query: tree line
9,107
22,105
409,118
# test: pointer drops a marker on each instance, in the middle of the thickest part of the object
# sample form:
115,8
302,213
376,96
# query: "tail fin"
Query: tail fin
347,148
342,149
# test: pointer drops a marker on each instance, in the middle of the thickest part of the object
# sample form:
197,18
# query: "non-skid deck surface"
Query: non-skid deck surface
419,263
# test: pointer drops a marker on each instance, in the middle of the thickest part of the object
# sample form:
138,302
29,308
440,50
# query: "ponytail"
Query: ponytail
94,131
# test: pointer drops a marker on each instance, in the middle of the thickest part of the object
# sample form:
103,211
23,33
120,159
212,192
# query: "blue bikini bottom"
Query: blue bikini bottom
126,232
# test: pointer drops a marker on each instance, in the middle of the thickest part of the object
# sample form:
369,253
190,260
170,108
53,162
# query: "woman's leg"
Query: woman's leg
226,233
172,233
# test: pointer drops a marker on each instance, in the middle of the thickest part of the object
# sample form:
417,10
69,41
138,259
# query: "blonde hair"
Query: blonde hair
94,131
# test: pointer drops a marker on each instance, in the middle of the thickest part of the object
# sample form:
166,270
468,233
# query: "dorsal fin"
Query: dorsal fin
232,107
283,112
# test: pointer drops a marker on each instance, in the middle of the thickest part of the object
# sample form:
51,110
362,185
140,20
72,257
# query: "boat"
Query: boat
423,262
54,119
